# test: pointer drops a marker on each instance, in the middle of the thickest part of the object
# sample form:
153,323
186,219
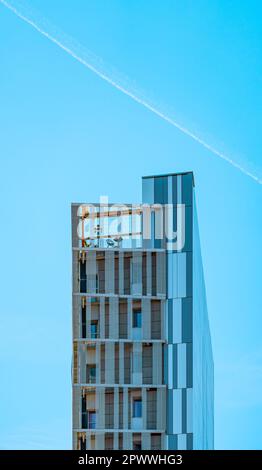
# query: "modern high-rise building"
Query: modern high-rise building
142,356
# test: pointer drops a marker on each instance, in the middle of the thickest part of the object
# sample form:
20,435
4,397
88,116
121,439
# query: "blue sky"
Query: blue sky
68,136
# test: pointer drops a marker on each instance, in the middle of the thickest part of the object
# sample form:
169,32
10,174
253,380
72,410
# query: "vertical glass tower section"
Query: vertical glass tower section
188,361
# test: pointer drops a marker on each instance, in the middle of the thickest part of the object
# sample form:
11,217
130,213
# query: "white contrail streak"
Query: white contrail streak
129,93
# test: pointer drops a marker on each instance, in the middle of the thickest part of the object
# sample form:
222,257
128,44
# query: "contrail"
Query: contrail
129,93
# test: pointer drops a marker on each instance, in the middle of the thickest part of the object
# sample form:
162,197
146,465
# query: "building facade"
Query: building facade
142,358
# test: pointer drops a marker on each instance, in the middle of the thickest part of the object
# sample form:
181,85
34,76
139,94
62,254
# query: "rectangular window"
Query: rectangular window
100,260
83,322
137,408
137,442
91,373
84,413
154,271
137,319
94,329
92,442
82,277
83,444
91,419
155,441
137,445
97,283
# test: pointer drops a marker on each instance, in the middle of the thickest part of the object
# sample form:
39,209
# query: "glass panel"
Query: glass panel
137,445
93,330
91,373
84,420
137,408
91,420
137,319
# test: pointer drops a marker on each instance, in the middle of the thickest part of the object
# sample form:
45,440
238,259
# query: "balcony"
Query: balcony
110,227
